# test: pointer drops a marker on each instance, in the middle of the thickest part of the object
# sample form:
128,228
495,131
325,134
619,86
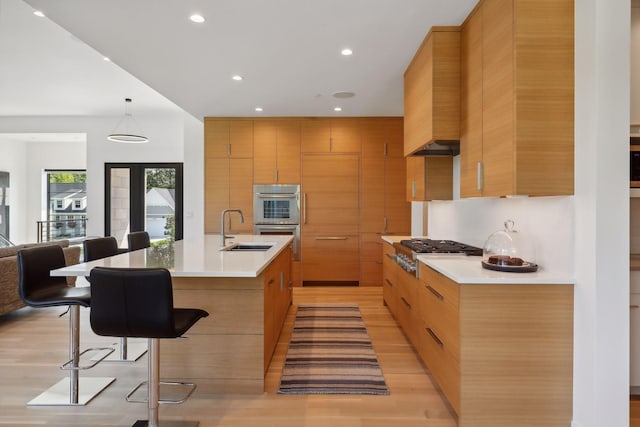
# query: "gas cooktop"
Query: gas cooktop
424,246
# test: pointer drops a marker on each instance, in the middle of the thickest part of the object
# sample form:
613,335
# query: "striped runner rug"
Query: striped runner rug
330,352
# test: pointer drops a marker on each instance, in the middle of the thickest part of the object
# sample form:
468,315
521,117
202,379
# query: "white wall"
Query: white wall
193,177
13,160
166,145
635,65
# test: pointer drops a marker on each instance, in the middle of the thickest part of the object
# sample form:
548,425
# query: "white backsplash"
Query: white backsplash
548,221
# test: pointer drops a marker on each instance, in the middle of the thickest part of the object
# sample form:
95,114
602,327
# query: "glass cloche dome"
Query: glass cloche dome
509,250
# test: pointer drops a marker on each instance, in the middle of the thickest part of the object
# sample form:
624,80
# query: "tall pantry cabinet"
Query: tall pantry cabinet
383,209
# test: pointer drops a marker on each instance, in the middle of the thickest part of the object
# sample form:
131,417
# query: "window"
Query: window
59,204
77,204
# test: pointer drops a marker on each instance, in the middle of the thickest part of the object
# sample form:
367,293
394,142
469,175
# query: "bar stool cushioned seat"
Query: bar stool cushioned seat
138,303
138,240
103,247
38,288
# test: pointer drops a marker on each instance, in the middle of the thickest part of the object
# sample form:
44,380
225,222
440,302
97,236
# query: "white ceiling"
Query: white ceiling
288,52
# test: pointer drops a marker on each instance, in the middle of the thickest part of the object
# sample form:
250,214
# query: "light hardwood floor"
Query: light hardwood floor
34,342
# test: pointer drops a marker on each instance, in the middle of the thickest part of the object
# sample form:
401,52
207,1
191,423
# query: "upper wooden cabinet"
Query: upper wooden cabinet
429,178
276,152
517,99
432,91
339,135
228,138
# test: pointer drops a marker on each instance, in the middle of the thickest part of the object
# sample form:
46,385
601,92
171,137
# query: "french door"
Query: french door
143,197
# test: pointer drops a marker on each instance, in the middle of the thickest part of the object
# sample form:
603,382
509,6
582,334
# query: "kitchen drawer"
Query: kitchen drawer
441,317
445,287
634,279
634,343
390,294
330,258
408,316
442,365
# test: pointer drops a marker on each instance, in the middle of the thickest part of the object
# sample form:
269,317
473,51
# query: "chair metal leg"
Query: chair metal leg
126,350
78,391
154,392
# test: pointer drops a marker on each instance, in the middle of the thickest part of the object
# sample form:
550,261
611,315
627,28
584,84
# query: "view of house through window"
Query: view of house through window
144,196
66,206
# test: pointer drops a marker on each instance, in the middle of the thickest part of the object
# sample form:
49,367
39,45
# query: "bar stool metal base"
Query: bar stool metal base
134,350
59,395
145,423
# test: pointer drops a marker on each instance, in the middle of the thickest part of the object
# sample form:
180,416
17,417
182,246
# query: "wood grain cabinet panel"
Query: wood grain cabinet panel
429,178
432,91
501,353
276,152
517,92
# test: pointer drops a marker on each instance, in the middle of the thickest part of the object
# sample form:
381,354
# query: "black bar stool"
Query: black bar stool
138,240
38,289
103,247
129,302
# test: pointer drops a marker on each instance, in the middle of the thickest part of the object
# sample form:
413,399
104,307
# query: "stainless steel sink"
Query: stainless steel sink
249,247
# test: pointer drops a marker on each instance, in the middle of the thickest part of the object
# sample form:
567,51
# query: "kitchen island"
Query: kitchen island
246,292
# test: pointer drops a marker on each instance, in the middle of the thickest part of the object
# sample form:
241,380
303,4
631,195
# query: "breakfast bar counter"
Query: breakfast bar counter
246,292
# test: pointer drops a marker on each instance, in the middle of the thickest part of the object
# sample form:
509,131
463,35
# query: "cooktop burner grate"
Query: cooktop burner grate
423,246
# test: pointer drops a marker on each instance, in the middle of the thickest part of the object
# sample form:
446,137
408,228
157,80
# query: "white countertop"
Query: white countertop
194,257
467,269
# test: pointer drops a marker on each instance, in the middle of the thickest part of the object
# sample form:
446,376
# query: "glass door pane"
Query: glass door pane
4,206
159,204
120,202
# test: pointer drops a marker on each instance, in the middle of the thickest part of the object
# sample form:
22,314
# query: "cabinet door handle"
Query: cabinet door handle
480,179
435,337
282,281
406,302
385,149
330,144
413,189
436,293
385,223
389,282
634,306
276,175
228,150
304,207
332,238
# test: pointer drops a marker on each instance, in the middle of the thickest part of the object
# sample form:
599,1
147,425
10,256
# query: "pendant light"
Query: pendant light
127,129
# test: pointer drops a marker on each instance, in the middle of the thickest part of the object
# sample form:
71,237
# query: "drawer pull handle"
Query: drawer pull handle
435,337
406,302
634,306
332,238
436,293
389,282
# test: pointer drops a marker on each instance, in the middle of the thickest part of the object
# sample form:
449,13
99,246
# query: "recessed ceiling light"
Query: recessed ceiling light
197,18
39,13
337,108
259,109
346,51
106,58
237,78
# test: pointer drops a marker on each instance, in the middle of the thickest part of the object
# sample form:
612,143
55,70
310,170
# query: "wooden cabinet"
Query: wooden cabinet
277,299
383,208
336,135
432,91
510,343
330,214
390,279
429,178
228,173
276,152
517,94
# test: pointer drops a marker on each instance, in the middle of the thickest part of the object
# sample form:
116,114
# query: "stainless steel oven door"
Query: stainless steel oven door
279,230
276,204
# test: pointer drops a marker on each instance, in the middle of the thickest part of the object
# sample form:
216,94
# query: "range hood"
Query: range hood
439,148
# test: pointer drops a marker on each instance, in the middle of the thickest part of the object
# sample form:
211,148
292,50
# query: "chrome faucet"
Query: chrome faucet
223,236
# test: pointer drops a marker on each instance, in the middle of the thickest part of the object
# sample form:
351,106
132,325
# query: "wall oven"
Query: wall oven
276,211
276,204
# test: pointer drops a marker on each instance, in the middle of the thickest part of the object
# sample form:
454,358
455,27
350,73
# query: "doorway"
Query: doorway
144,197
